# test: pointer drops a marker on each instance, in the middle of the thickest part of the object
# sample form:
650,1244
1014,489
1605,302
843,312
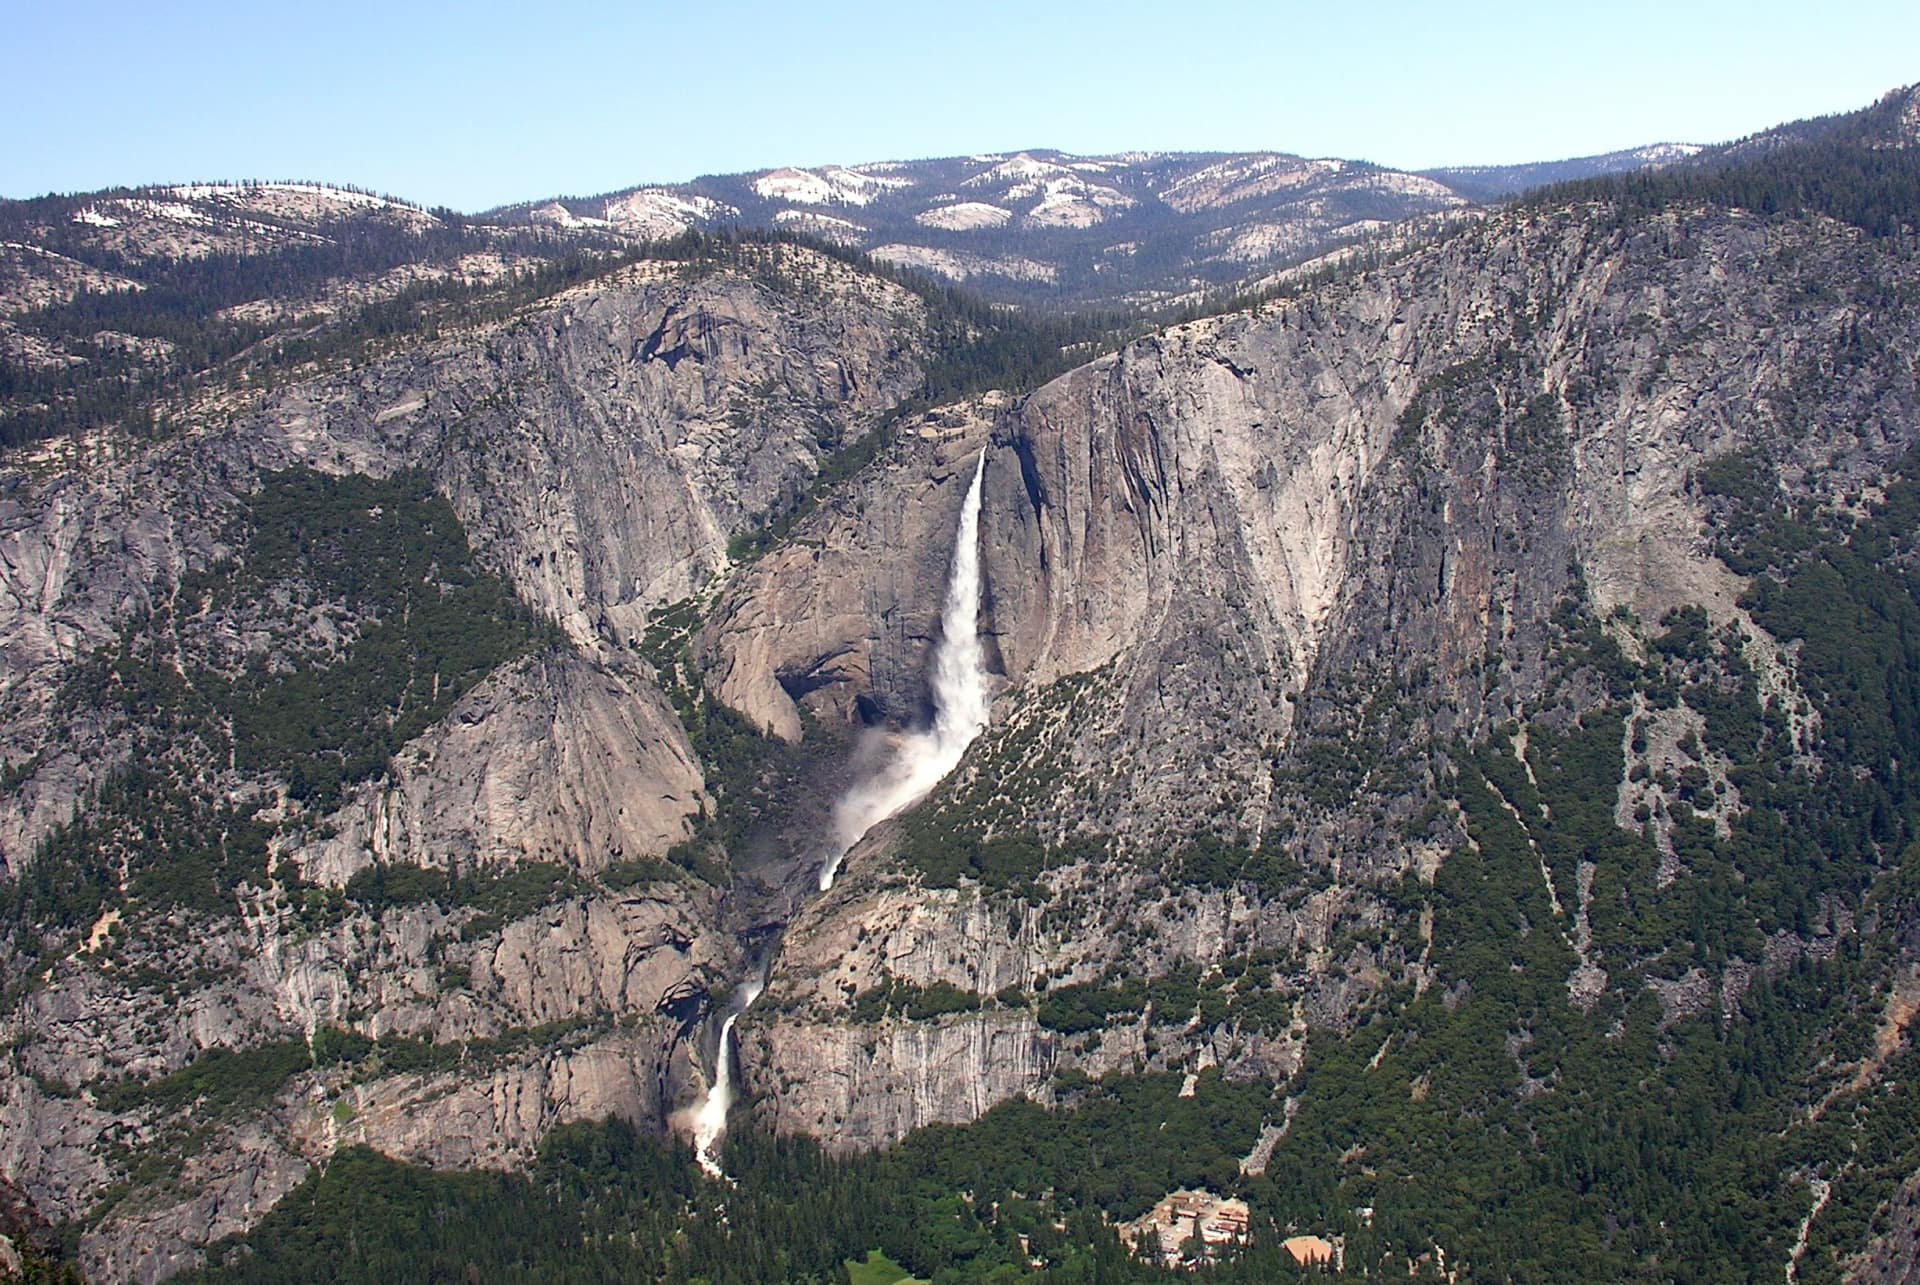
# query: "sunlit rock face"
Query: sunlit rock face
1240,538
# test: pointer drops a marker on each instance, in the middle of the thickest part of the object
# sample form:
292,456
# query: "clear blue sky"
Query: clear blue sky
473,105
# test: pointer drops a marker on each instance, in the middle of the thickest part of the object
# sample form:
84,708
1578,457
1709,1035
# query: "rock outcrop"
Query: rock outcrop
820,622
552,759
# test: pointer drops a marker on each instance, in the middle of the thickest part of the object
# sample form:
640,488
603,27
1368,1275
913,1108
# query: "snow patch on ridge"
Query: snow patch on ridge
965,216
1071,203
844,231
1667,153
1239,178
177,211
240,192
957,265
1020,168
829,185
656,212
559,215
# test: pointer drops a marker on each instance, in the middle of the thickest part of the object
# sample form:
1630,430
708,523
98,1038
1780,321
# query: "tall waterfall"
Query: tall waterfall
921,759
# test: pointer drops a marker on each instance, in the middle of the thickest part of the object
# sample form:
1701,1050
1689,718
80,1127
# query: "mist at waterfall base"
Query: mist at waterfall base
921,759
917,764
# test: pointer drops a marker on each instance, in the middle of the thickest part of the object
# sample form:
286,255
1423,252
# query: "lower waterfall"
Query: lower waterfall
918,763
710,1121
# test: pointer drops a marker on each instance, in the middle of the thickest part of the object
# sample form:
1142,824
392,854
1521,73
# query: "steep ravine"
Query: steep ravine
899,773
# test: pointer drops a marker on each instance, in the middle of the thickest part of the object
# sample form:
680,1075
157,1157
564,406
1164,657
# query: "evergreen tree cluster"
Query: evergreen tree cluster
1838,169
980,1203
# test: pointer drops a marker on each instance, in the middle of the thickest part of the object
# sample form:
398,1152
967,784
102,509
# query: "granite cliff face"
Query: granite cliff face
1400,473
1404,474
1257,589
602,450
597,451
820,622
1206,558
554,760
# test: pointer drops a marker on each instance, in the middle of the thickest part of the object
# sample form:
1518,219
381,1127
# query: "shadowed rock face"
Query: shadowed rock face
23,1229
823,622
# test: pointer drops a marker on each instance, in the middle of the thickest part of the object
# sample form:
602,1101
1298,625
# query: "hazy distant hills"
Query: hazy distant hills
1040,228
1039,224
106,295
1491,182
1046,226
1043,227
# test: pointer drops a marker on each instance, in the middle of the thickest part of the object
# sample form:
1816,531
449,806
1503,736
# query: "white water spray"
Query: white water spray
921,759
710,1121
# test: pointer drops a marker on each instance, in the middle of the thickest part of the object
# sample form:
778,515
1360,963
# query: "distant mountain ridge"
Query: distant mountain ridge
1044,226
103,293
1038,228
1893,121
1491,182
108,297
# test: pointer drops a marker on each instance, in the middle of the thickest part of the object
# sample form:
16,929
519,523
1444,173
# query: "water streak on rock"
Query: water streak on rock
922,758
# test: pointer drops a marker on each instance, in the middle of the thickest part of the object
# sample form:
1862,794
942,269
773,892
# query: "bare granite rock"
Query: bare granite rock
552,758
